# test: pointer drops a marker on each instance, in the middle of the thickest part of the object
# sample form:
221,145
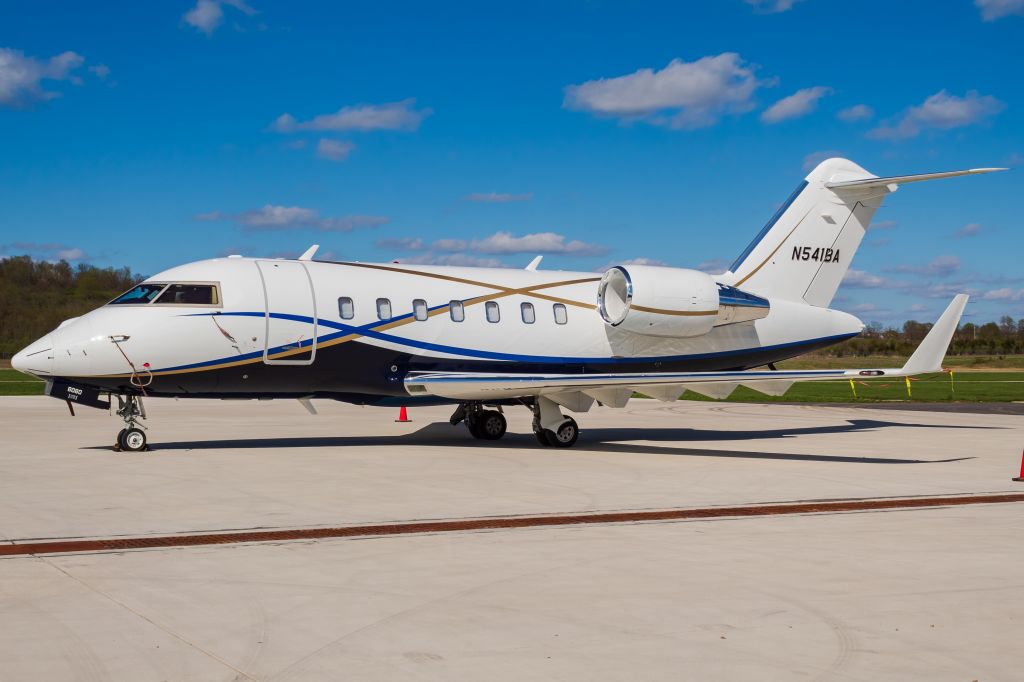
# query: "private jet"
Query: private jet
485,339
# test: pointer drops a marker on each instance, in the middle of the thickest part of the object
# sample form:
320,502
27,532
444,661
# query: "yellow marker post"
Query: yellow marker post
907,379
854,389
952,389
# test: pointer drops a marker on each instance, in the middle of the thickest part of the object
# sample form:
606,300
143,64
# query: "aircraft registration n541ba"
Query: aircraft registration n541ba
483,338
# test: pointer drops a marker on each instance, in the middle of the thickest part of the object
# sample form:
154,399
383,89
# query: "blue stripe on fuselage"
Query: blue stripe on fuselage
368,331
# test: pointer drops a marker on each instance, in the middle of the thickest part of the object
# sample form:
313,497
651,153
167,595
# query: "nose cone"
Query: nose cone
37,358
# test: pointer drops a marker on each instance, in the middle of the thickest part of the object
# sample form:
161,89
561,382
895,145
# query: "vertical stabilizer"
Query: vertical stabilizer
807,246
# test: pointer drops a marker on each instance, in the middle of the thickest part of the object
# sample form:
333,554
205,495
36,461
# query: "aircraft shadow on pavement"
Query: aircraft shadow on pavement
610,440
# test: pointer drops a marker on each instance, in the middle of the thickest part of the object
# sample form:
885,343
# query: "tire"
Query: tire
120,439
566,435
542,437
490,425
134,440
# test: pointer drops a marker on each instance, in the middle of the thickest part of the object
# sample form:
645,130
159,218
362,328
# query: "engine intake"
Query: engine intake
672,302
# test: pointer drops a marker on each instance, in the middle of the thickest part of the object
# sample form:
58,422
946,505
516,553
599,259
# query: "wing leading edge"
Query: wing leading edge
614,389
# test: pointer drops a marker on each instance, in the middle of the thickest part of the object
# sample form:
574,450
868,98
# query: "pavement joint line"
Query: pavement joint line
387,529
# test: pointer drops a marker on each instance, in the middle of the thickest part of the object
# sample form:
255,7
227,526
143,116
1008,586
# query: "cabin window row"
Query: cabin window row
456,310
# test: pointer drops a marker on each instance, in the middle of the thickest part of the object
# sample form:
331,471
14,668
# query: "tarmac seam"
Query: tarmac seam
492,523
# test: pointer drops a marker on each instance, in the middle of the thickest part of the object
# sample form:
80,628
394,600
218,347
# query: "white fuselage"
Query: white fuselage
281,327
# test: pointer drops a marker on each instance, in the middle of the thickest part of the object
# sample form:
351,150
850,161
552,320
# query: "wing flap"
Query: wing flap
614,389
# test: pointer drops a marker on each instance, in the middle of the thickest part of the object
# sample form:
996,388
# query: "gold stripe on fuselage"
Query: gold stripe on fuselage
502,292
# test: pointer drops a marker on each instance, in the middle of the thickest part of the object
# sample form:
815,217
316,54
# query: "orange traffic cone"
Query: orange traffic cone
403,416
1021,477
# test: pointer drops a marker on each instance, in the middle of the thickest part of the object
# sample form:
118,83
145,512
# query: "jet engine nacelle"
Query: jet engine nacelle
658,301
672,302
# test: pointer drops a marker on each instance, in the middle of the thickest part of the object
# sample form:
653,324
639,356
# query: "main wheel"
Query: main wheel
120,439
565,436
542,437
487,425
133,440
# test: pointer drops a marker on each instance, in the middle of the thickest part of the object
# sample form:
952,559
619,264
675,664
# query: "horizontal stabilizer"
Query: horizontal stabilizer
869,183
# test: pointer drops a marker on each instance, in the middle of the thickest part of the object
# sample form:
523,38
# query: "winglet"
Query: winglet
309,252
929,355
534,263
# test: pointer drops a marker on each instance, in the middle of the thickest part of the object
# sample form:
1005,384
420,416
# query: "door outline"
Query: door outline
266,319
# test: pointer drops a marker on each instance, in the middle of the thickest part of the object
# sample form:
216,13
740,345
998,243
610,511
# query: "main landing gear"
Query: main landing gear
132,438
550,426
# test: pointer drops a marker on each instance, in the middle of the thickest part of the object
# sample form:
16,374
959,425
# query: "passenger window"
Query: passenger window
346,308
419,309
493,313
189,294
383,309
529,315
142,294
458,312
561,316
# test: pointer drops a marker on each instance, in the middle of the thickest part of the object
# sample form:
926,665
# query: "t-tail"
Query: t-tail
804,251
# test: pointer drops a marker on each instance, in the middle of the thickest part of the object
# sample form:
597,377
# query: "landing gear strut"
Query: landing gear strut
551,427
482,423
132,438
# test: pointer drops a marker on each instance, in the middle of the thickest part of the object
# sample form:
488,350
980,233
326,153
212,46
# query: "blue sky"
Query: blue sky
151,134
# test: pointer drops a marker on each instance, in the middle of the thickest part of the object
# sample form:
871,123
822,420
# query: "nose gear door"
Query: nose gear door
290,313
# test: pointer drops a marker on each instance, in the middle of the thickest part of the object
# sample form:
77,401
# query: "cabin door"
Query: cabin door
290,313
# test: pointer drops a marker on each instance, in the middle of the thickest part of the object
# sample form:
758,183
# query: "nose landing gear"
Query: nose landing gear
132,438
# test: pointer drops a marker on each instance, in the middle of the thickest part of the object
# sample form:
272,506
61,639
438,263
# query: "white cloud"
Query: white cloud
858,112
49,251
941,111
940,266
334,150
800,103
714,266
497,197
882,225
460,259
968,230
362,117
683,95
632,261
20,76
207,15
996,9
859,279
500,243
271,217
1004,294
771,6
814,158
402,244
101,71
539,242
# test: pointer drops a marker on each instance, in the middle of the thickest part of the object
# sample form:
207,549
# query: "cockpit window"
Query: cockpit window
142,294
189,294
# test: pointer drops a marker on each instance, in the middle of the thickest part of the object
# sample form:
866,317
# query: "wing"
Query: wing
578,391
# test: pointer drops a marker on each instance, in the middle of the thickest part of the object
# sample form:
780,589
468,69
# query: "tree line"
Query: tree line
1005,337
36,296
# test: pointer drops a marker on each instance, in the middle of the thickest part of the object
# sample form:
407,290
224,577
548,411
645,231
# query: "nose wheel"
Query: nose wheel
132,438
